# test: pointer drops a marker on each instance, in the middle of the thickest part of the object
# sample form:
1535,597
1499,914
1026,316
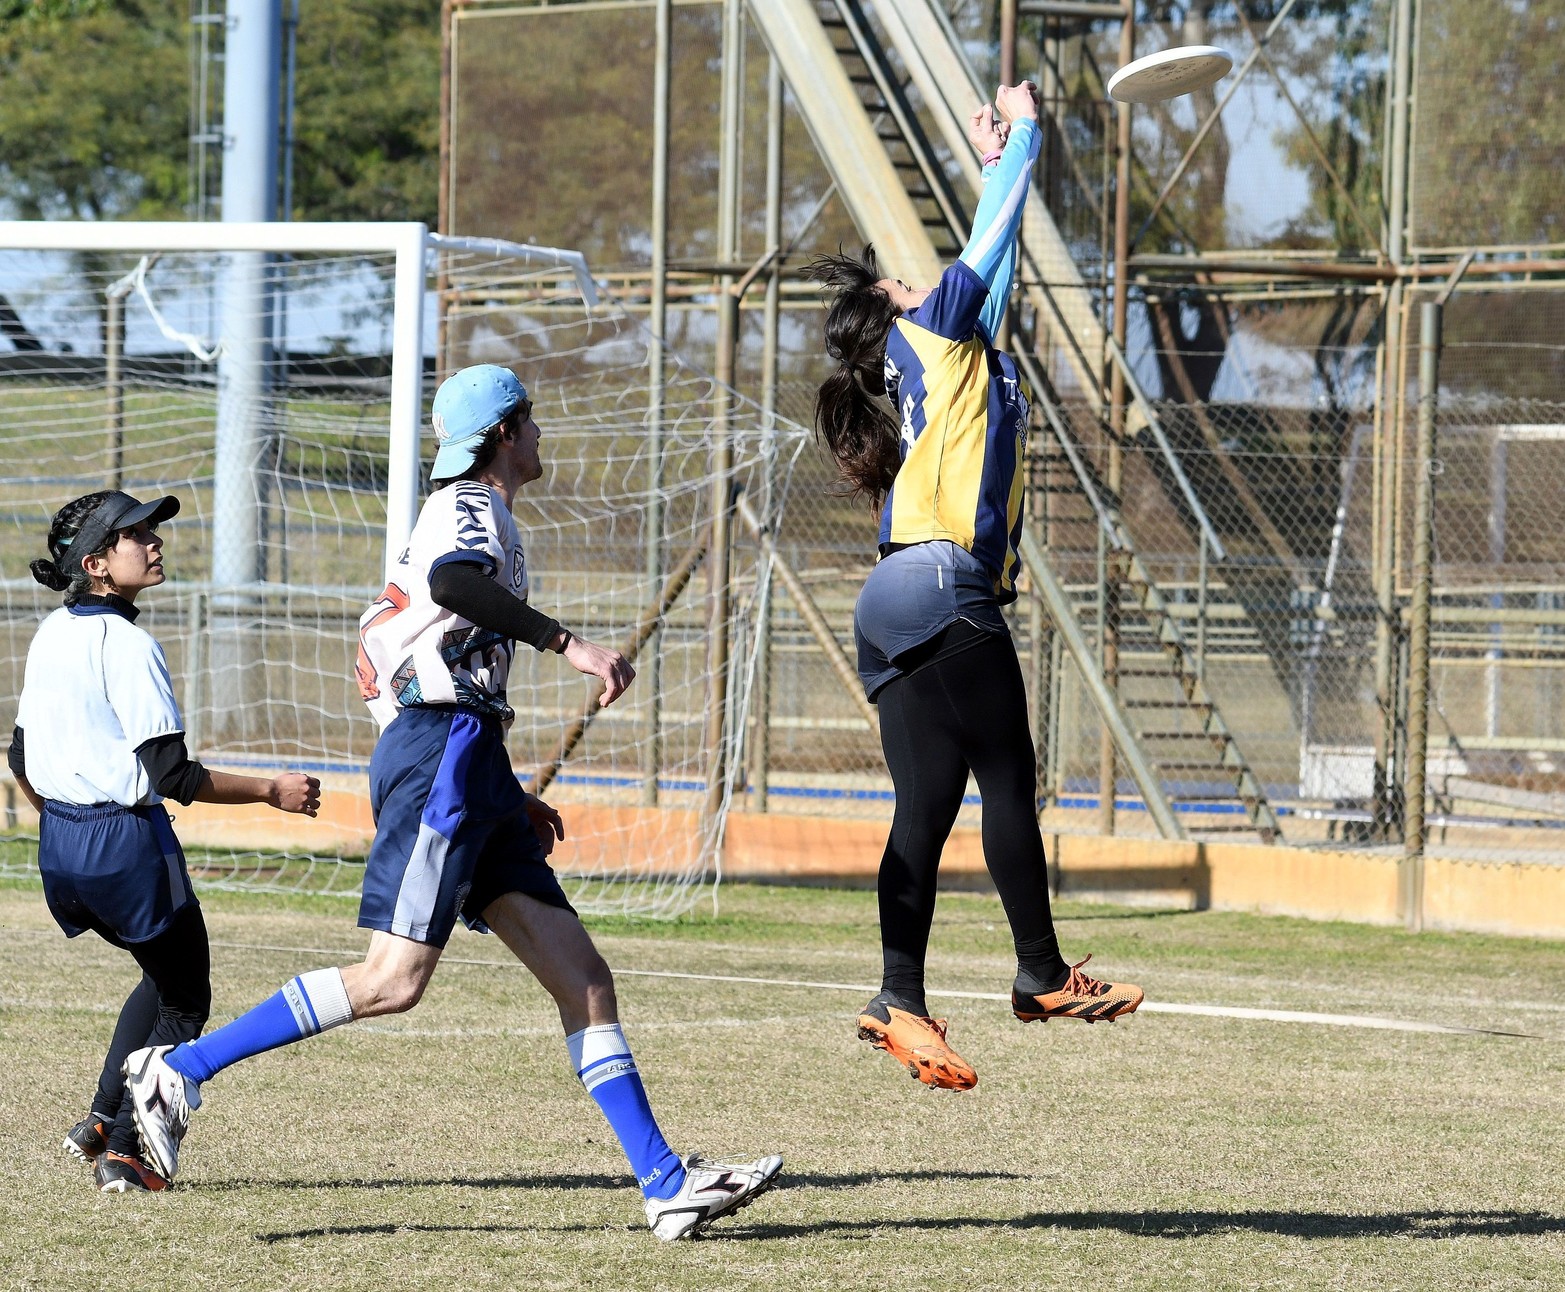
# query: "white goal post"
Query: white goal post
317,377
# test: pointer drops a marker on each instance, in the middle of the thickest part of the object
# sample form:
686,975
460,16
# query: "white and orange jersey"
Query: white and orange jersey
414,652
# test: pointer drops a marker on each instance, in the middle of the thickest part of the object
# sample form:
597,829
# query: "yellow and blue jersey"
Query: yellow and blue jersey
961,403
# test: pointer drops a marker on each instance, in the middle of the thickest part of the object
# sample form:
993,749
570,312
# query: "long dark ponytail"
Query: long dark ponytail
66,525
852,415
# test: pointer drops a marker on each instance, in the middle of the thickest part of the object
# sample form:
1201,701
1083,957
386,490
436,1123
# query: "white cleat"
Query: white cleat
710,1190
162,1100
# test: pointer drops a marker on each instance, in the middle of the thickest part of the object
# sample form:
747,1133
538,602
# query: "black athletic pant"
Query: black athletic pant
169,1005
960,706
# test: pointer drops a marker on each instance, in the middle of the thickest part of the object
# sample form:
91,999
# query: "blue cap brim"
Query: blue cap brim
454,459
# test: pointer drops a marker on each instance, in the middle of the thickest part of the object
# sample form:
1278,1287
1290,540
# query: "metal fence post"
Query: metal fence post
1412,886
719,608
652,751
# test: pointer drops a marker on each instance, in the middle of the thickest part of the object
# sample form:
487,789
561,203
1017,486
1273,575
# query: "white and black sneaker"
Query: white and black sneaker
162,1100
710,1190
87,1140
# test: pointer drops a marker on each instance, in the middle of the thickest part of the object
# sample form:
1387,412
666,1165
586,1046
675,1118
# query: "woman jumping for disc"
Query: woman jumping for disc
943,467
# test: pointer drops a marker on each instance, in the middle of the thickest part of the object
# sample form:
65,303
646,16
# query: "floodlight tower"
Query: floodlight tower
251,72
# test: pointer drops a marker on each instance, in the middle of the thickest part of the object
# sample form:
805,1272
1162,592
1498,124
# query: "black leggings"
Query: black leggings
169,1005
961,706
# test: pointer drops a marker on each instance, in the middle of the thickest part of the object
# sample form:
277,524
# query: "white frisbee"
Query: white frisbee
1169,73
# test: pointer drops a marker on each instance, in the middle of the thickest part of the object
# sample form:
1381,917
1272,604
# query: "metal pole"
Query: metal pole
1412,877
761,705
1499,467
1200,613
1387,817
1061,733
722,444
113,349
1039,684
1110,643
1382,808
196,663
652,751
1007,42
252,68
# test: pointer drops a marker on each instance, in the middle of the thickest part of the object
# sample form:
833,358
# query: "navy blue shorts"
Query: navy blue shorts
451,830
911,595
114,867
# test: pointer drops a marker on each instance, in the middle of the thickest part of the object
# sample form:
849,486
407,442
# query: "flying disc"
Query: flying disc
1169,73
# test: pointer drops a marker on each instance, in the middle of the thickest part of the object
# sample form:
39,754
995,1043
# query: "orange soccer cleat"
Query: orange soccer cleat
1082,996
918,1043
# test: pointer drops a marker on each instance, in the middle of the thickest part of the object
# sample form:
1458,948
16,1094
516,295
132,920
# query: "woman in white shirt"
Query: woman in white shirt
98,745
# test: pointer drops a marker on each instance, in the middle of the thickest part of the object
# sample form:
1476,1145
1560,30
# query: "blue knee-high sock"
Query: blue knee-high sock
603,1062
310,1003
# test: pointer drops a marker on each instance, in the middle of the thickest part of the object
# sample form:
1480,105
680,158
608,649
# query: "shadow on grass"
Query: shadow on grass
1149,1224
1200,1224
788,1180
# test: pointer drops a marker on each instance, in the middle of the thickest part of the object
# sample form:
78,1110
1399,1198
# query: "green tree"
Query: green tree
367,111
81,134
94,121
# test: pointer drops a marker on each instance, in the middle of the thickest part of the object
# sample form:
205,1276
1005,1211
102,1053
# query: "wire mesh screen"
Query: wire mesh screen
1487,130
1292,162
532,161
618,537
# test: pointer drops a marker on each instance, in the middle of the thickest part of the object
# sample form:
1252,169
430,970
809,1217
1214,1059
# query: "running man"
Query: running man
928,420
98,745
456,836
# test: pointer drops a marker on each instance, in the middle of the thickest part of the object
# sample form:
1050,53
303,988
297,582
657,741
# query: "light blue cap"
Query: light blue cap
467,404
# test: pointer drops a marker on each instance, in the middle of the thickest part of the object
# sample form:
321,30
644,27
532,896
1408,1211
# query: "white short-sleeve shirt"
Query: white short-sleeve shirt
413,651
96,688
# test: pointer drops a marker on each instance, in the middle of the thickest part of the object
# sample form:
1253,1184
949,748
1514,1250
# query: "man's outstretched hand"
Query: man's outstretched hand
601,662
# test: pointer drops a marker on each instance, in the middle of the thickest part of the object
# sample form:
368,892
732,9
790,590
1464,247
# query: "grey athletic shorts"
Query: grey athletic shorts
910,596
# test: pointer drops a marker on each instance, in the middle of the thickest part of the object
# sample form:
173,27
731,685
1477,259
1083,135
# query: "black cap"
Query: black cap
117,511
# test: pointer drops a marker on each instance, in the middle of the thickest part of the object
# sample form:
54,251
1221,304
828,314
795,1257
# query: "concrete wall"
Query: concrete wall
1514,897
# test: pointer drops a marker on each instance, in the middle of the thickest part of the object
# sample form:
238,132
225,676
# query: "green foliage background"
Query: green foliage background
95,117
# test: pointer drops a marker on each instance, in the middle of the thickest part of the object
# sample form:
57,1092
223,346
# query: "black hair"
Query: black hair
852,415
484,454
66,525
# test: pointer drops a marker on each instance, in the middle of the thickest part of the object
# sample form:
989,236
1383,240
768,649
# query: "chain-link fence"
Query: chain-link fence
1239,563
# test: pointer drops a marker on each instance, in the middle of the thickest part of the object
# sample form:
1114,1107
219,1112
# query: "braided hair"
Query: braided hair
852,416
66,525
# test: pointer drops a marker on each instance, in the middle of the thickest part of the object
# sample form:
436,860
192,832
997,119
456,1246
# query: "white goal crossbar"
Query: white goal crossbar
409,241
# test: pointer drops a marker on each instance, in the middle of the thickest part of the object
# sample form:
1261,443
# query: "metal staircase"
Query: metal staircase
883,94
1165,723
1161,686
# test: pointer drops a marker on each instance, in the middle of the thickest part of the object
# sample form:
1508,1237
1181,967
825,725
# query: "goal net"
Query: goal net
121,369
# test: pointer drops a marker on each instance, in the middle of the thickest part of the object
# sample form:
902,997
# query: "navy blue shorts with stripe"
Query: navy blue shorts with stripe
451,830
112,867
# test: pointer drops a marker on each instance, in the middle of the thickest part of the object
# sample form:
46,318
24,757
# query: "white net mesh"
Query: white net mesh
617,531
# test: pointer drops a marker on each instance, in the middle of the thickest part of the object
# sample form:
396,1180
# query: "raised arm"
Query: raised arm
991,251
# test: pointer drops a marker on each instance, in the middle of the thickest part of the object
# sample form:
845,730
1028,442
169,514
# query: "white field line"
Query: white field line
1149,1007
1365,1021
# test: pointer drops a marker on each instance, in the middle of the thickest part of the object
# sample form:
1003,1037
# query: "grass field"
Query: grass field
452,1147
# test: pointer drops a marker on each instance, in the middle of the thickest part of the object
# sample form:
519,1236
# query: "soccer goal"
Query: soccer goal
275,377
